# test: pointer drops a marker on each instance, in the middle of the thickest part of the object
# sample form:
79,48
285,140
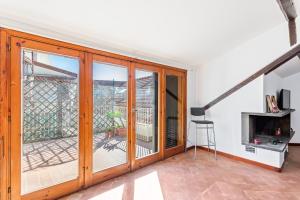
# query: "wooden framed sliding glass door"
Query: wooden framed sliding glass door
47,105
146,116
174,112
109,118
78,116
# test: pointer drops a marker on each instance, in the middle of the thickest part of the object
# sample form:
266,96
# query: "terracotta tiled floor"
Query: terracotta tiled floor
183,178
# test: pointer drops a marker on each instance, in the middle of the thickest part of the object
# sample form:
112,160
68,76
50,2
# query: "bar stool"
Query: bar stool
202,125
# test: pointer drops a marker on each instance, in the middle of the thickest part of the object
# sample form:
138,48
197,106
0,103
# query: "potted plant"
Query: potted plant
118,126
109,133
122,131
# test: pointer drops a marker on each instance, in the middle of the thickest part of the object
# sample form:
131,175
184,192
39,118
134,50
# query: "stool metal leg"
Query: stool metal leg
187,137
207,135
215,141
195,143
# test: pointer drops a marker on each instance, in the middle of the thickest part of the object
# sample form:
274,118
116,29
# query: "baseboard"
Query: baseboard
240,159
294,144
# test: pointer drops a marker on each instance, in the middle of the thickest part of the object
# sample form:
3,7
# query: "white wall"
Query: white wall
224,72
221,74
191,102
293,83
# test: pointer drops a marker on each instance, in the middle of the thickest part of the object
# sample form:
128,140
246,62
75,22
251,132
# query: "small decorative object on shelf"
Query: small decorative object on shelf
278,132
272,104
257,141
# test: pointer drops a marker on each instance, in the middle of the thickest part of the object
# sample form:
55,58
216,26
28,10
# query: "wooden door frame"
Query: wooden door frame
15,89
182,137
114,171
141,162
4,113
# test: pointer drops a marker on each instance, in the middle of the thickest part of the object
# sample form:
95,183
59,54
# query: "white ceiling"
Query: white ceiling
188,32
289,68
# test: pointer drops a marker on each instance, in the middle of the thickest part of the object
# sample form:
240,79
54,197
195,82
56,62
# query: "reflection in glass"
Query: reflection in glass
109,115
50,123
173,110
146,113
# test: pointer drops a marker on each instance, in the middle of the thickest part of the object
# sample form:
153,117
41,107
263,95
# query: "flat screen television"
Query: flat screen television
285,99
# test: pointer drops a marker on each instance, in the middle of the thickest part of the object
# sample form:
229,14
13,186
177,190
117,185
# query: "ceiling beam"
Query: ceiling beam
292,32
56,69
267,69
288,9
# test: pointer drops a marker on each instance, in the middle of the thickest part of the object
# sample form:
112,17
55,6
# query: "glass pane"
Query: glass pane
50,122
109,115
146,113
173,110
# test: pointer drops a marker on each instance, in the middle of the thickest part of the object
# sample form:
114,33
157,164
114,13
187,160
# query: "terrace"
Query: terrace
50,123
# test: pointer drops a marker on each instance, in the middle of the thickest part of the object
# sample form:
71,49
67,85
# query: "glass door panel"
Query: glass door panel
110,118
49,119
146,113
173,111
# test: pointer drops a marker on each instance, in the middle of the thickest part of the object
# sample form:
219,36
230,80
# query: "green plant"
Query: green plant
109,129
114,114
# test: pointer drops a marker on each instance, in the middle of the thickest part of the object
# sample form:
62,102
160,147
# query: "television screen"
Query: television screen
285,99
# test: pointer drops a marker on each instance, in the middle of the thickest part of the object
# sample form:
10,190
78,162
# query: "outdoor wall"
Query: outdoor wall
221,74
293,83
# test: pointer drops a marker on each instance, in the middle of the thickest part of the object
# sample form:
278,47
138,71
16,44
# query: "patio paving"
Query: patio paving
57,151
51,162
